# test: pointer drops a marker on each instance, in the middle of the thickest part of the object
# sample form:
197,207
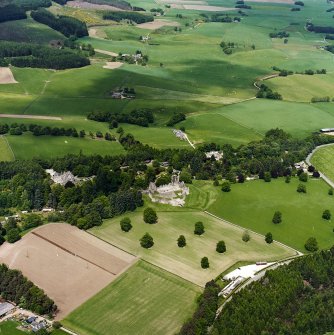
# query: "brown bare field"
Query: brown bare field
156,24
88,5
69,264
36,117
6,76
208,8
274,1
112,65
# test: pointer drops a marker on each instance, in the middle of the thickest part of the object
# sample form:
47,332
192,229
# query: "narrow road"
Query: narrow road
192,144
308,161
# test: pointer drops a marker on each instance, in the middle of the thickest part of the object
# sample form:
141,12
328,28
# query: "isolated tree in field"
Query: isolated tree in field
199,228
301,188
181,241
245,236
126,224
269,238
277,218
326,215
330,191
303,177
147,241
287,179
205,263
311,244
267,177
150,215
13,235
221,247
226,186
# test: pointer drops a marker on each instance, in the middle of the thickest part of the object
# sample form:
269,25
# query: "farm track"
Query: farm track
72,253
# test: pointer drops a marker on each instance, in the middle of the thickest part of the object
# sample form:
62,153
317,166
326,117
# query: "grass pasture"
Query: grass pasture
252,206
323,160
185,262
143,300
303,88
28,146
5,151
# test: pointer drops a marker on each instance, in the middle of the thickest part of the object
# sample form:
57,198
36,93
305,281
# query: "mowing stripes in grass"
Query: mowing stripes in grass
143,300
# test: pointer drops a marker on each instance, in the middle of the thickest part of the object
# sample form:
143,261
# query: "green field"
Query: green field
173,222
252,205
143,300
28,146
323,160
303,88
5,151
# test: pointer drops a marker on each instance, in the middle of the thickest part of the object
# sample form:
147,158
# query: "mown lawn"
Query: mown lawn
185,262
143,300
323,160
252,205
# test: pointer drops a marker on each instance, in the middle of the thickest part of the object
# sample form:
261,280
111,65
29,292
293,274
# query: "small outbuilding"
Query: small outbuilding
5,307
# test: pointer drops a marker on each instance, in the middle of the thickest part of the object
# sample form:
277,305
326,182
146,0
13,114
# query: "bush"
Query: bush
176,118
269,238
303,177
226,186
221,247
13,235
330,191
2,240
56,325
267,177
147,241
126,224
287,179
301,188
150,215
205,263
277,218
181,241
245,236
199,228
326,215
311,244
31,221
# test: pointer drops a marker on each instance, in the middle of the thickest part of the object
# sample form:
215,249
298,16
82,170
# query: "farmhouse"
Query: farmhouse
5,307
62,178
216,154
180,134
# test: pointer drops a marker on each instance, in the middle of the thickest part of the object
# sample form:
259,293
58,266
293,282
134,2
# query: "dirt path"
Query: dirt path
105,52
27,116
6,76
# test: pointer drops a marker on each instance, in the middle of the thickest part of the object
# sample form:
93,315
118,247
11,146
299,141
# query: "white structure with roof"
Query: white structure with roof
5,307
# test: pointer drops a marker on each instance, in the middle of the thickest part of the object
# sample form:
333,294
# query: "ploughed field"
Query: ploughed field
68,264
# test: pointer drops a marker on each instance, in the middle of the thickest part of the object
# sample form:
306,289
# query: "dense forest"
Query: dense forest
38,56
18,289
12,12
294,299
130,16
68,26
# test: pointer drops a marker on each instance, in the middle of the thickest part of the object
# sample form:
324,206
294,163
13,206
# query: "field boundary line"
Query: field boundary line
144,260
10,148
297,252
72,253
172,273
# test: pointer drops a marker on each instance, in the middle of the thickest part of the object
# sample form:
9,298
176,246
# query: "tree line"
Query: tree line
68,26
12,12
130,16
39,56
141,117
319,29
18,289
